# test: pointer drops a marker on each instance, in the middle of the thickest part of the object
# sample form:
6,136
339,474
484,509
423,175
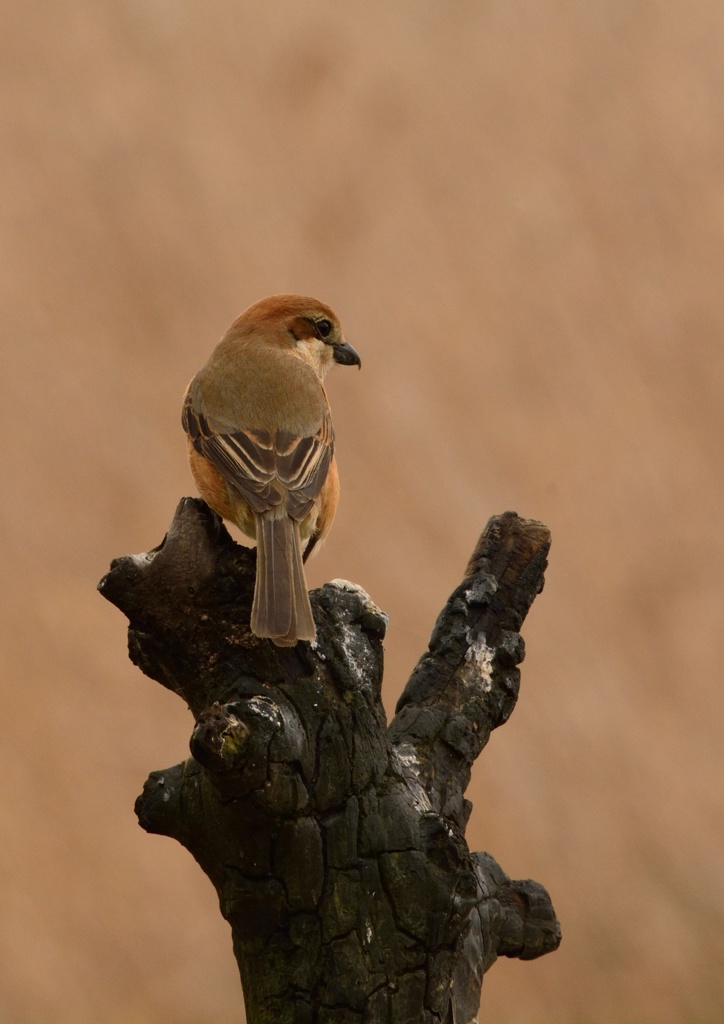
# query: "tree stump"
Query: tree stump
336,843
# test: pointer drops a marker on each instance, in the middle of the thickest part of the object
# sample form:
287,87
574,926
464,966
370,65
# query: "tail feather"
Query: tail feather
281,608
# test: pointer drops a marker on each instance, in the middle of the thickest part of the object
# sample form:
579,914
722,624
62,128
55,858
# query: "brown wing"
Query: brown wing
266,468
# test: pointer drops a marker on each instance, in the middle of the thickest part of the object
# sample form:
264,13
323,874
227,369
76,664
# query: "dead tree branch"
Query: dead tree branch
337,844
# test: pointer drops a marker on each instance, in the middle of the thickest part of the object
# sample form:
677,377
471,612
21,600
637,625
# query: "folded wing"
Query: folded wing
266,468
280,475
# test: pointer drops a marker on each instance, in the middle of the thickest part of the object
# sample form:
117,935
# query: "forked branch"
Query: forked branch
337,844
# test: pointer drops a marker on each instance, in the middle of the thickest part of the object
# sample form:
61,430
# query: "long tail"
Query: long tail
281,608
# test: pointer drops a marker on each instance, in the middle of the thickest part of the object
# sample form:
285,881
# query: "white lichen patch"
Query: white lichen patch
357,655
407,758
355,588
349,643
161,783
317,650
482,590
480,659
142,560
263,707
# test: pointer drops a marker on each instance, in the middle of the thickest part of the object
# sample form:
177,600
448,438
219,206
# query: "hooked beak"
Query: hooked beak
342,352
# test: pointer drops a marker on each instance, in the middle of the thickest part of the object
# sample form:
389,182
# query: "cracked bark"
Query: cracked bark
336,844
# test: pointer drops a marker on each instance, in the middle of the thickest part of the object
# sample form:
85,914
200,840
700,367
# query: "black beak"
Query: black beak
345,354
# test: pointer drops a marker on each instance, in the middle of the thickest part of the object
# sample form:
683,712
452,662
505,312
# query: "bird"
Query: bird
260,445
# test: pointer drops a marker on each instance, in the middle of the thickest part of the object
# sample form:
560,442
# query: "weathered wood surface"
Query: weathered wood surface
337,844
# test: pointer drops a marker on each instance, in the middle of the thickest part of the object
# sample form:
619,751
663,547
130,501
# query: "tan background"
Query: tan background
518,211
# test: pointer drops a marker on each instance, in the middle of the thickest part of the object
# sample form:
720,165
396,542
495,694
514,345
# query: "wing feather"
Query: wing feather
267,469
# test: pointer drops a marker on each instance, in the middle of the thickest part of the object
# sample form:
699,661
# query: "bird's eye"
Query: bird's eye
324,328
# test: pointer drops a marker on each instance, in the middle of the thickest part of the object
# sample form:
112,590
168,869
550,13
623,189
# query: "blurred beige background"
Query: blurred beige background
518,211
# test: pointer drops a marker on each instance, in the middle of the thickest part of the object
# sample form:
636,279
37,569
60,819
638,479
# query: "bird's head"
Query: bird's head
305,325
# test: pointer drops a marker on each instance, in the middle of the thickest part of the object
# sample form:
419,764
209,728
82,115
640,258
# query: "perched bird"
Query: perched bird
261,446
